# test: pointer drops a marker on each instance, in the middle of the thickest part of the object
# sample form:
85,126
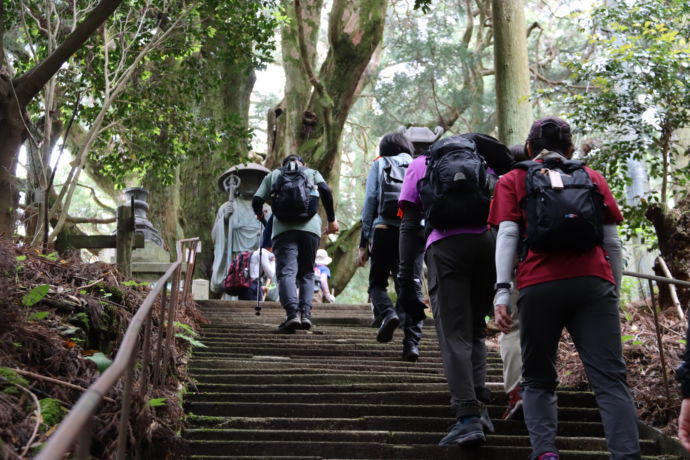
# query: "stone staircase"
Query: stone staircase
334,392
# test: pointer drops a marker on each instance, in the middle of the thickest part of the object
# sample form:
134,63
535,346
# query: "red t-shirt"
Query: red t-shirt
542,267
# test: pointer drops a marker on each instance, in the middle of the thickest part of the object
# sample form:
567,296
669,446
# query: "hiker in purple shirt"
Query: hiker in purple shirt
450,188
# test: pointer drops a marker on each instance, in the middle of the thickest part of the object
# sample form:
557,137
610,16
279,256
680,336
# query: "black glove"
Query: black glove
409,301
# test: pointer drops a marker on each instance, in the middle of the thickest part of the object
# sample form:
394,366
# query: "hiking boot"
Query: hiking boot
467,432
514,409
410,352
291,323
548,456
486,422
376,322
306,323
388,326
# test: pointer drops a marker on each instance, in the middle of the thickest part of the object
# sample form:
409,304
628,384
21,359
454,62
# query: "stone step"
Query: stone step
413,398
337,387
393,437
362,450
231,378
316,410
206,305
379,423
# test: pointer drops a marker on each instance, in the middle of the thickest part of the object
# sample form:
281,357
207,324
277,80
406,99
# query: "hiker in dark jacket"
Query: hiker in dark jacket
296,234
566,280
379,240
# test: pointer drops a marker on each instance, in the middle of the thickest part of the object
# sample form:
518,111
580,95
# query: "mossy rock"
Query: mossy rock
52,411
10,380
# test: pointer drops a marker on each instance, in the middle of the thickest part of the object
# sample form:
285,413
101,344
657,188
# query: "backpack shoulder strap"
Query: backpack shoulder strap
526,164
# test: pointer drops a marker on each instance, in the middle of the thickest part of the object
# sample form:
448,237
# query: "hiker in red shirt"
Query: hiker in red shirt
569,270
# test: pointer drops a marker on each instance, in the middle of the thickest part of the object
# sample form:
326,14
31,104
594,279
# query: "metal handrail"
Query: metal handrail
668,281
74,427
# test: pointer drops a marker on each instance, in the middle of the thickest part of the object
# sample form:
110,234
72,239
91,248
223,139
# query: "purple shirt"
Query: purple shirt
415,173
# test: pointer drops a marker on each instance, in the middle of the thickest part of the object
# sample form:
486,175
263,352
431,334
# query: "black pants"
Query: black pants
461,278
295,252
588,308
384,263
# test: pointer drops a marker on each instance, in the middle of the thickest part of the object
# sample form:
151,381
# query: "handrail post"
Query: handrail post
124,413
159,347
174,296
84,443
146,359
660,345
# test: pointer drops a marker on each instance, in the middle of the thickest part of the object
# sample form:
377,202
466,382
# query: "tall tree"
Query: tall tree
513,106
314,124
15,95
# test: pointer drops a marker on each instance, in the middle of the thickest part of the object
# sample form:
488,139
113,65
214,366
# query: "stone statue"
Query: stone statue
236,228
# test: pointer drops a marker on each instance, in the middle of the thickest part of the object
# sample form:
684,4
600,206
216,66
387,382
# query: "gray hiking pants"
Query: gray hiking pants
461,279
588,308
295,252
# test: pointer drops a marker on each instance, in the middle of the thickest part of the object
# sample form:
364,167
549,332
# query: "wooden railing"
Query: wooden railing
74,428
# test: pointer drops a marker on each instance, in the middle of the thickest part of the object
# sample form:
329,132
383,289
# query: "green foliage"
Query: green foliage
165,118
194,342
157,402
102,361
52,411
639,97
9,379
132,283
35,295
39,315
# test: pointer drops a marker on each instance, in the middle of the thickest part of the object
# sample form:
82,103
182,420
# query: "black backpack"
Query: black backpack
567,218
456,189
293,195
390,185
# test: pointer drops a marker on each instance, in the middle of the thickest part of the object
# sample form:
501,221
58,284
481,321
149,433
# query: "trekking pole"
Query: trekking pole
257,309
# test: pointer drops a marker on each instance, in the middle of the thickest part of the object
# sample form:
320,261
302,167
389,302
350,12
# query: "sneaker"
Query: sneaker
514,409
548,456
388,327
306,322
486,422
467,432
291,323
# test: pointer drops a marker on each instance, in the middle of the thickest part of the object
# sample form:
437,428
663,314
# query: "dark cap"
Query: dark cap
560,130
293,157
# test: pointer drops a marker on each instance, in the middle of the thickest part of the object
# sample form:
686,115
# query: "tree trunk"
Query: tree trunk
513,106
355,31
12,134
672,228
343,252
288,129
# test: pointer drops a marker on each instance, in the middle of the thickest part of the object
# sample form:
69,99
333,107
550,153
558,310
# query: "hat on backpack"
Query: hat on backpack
322,257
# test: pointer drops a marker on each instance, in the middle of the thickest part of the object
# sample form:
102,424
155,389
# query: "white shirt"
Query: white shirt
268,264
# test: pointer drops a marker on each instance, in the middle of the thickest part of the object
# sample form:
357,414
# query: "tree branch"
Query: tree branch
29,84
